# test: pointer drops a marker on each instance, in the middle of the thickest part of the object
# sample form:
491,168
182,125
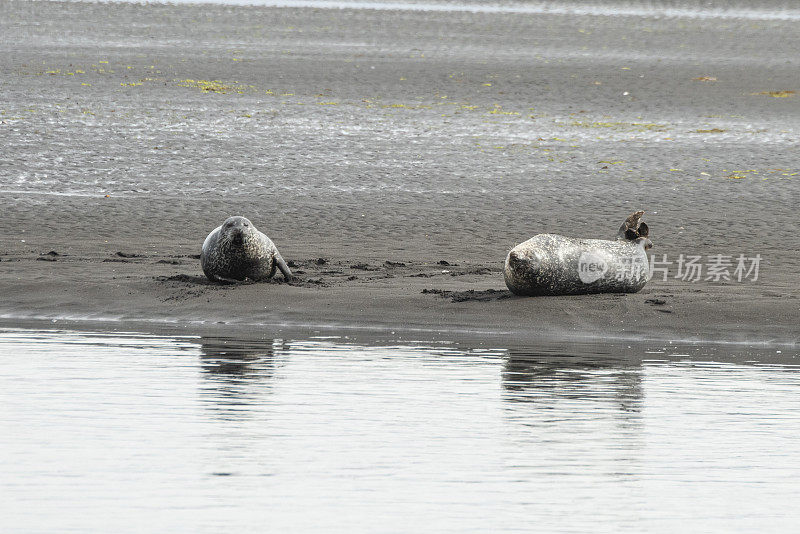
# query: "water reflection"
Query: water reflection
233,360
237,373
548,378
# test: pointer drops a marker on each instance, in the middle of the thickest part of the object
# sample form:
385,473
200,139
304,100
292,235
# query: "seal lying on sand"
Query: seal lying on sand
237,250
549,264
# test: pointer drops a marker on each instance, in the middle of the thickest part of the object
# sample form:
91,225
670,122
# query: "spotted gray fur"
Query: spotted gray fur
549,264
236,251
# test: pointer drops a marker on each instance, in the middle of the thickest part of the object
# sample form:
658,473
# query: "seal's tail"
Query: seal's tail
633,228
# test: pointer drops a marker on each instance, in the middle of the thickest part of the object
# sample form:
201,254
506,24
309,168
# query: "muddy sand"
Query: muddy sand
394,157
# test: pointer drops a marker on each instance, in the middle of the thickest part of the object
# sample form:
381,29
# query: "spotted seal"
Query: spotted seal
549,264
236,251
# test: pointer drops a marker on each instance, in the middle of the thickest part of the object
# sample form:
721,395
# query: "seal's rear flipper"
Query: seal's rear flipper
224,280
287,274
633,227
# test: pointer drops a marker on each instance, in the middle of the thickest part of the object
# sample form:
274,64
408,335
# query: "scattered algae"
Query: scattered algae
776,94
498,110
216,86
625,126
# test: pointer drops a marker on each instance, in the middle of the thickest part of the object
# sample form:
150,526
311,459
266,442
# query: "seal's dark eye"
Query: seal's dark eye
246,224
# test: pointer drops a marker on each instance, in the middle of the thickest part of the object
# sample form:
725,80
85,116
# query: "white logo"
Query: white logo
591,267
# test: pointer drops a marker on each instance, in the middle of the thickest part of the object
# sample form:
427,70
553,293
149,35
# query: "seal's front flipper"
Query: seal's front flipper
287,274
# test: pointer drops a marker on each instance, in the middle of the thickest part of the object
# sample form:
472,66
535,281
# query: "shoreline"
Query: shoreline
467,301
380,334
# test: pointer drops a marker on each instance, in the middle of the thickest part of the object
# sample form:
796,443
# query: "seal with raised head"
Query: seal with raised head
550,264
236,251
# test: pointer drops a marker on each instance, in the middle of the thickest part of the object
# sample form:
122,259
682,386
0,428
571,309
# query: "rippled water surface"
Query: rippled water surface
131,433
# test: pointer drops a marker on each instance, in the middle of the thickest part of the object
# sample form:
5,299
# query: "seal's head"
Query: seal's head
238,233
523,265
522,259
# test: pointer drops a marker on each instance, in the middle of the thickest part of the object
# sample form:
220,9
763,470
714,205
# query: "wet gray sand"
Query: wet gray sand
410,150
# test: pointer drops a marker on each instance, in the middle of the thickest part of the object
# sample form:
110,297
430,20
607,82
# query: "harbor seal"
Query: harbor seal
236,251
549,264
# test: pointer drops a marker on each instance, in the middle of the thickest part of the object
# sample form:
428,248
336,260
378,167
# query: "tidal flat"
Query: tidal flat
395,156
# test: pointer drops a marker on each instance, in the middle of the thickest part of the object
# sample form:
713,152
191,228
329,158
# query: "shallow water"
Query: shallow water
703,9
118,432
